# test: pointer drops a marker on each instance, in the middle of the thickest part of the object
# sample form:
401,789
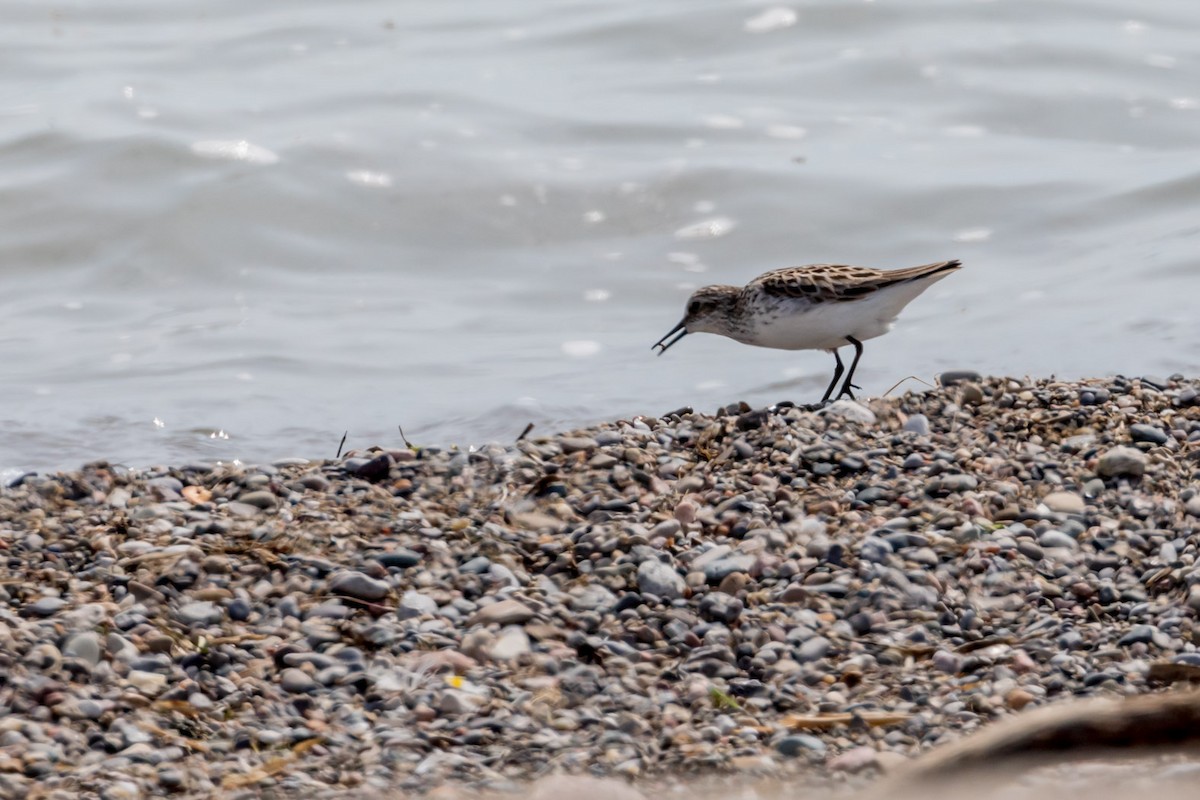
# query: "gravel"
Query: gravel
728,594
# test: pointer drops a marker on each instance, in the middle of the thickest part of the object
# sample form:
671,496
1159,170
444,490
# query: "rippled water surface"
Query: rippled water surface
237,230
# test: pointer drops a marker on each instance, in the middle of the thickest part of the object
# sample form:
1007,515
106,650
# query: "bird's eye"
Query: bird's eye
694,307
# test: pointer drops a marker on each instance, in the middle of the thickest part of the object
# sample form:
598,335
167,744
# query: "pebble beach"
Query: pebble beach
754,594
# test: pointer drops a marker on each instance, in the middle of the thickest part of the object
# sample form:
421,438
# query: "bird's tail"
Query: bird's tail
924,271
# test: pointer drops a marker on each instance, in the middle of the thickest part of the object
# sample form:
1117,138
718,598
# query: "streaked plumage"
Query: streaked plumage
817,307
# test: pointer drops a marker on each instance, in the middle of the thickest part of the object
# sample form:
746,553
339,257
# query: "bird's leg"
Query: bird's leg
837,373
847,386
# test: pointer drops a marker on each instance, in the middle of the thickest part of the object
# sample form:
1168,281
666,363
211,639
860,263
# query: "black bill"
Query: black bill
664,344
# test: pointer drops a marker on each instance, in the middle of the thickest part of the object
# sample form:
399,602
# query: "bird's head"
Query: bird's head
709,310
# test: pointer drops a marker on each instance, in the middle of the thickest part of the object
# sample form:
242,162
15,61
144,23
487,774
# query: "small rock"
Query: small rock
455,702
660,579
592,597
238,610
511,643
45,607
1018,698
83,646
415,604
505,612
685,512
1064,502
798,744
1148,433
171,778
1143,634
296,681
401,558
1057,539
203,612
947,662
813,649
954,377
948,484
717,570
260,499
1122,461
121,790
918,424
850,410
359,586
972,394
721,607
375,470
577,444
734,582
148,683
856,759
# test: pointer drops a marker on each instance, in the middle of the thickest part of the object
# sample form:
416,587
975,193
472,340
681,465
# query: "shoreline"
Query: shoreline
768,593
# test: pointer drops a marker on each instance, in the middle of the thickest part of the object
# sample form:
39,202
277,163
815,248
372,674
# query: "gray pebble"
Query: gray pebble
721,607
45,607
476,566
593,597
875,549
1057,539
656,578
1148,433
171,778
238,610
259,499
1193,506
415,604
799,743
359,586
1122,461
201,612
83,646
813,649
956,376
947,662
503,612
401,558
1139,634
511,643
947,484
718,570
575,445
296,681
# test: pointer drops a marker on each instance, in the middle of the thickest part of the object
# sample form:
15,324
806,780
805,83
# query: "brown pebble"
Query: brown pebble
1018,699
734,582
972,394
685,512
159,643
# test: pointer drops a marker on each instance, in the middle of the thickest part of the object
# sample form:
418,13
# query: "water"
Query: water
236,231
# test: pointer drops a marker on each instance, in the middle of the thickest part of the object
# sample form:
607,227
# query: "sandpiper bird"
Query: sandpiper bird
817,307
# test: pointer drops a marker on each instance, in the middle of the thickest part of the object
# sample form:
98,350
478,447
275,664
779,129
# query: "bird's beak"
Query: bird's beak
664,344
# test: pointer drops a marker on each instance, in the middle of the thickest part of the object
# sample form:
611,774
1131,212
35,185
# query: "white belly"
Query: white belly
825,326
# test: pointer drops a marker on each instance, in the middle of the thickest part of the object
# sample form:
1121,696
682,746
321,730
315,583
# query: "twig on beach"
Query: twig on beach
340,444
908,378
407,443
525,432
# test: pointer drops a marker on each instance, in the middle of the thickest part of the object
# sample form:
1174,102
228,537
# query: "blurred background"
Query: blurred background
235,231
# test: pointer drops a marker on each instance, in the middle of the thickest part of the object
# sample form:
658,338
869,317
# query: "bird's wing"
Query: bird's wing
820,282
839,282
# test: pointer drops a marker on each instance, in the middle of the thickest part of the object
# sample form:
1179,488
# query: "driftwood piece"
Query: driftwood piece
1146,725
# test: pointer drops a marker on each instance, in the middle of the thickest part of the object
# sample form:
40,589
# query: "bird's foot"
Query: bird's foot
845,392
